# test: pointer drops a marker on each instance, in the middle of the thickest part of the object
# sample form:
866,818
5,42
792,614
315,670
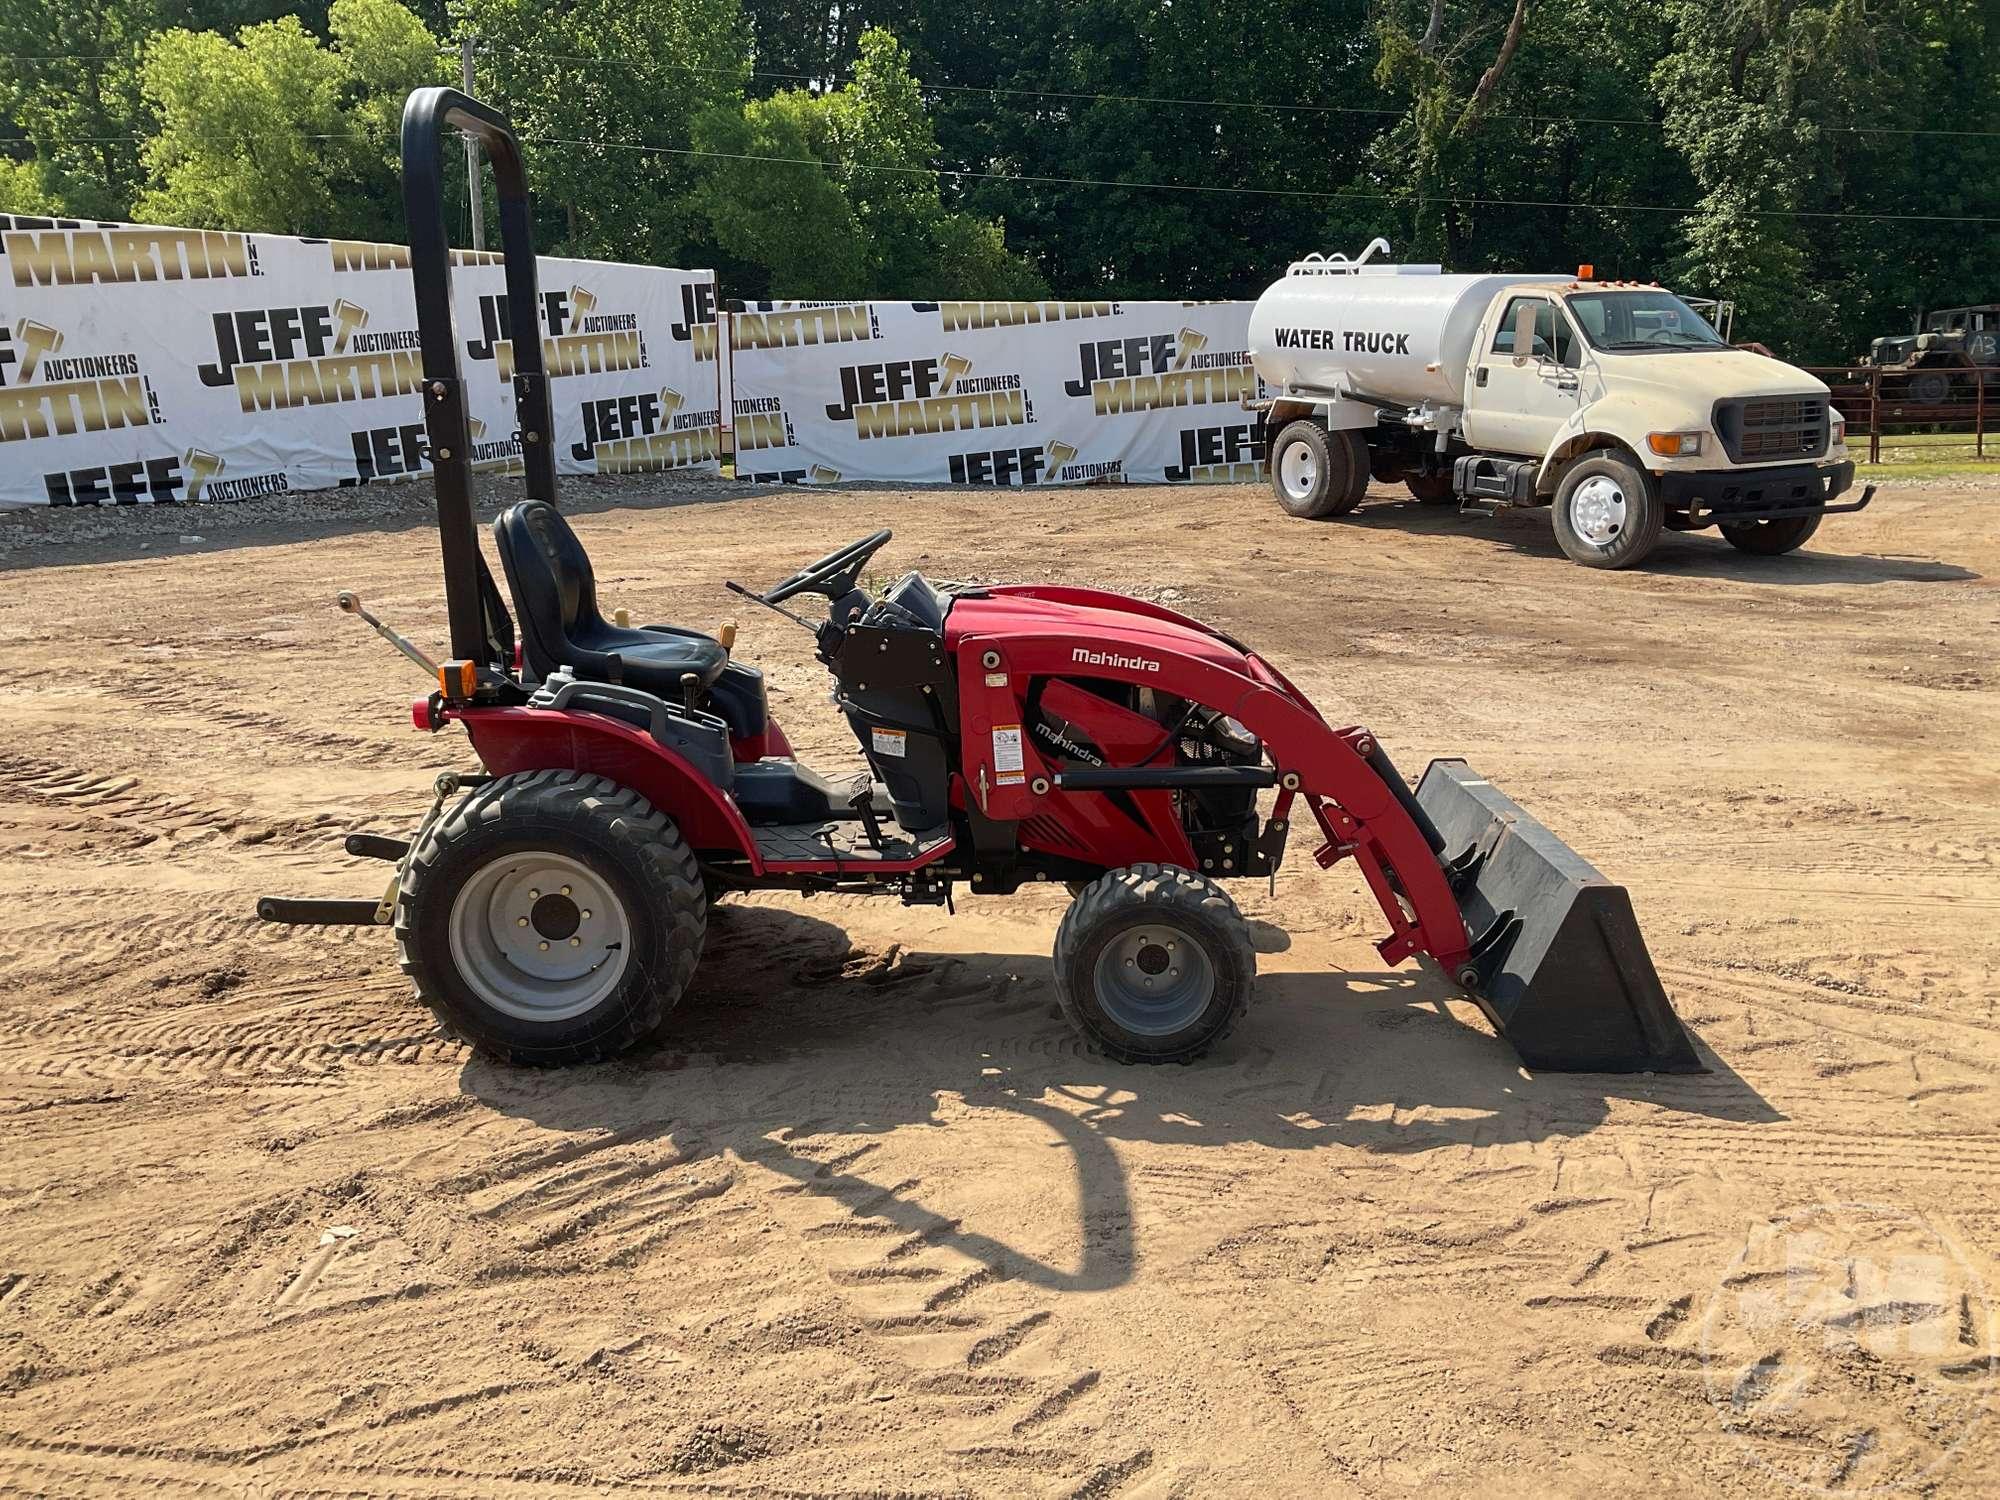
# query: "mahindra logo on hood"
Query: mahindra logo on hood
1084,656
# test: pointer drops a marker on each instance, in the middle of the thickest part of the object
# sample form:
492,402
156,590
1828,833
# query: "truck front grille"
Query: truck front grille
1772,429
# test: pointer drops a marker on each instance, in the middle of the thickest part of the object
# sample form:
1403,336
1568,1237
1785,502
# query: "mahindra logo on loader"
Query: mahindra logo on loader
1160,370
897,398
1083,656
580,340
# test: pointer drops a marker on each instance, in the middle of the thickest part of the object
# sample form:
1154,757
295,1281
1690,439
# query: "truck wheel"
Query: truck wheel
1931,388
551,917
1431,489
1153,964
1607,513
1770,538
1313,471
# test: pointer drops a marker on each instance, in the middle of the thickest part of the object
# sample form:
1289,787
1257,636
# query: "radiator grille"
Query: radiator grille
1770,429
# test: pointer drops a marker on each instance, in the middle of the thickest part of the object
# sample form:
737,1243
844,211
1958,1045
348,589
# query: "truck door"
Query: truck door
1520,398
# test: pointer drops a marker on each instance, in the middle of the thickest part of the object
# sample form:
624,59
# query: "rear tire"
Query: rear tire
1607,511
1316,473
1771,538
551,917
1431,489
1153,964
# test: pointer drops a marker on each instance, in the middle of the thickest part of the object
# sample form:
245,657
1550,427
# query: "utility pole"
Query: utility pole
473,188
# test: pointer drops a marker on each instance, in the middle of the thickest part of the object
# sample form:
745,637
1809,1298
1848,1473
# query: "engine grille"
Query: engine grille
1773,429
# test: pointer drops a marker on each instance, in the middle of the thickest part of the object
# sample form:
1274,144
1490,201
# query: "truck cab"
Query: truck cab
1614,403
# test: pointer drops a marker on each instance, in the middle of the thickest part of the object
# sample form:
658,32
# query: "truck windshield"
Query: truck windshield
1642,322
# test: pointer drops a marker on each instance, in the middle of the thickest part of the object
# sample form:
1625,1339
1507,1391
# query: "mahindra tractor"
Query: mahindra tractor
551,907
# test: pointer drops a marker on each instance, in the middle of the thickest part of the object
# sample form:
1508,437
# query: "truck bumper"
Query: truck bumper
1770,494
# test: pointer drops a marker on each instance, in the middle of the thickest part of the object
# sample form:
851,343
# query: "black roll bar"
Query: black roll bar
481,631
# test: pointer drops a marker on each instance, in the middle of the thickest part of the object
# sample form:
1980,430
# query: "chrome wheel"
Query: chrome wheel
1153,980
1298,471
539,936
1597,510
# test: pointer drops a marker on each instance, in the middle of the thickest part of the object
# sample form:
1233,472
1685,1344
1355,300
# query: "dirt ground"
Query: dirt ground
867,1221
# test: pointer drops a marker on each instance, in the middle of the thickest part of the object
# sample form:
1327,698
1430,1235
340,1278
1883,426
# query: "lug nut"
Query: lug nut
534,895
586,914
565,890
576,942
545,947
520,921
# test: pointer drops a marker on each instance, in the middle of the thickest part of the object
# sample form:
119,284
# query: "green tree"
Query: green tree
604,94
71,115
836,194
276,132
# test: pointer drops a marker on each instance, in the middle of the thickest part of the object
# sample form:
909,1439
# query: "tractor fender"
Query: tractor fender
515,739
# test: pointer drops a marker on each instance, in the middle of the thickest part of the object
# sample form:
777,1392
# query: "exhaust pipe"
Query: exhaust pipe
1558,962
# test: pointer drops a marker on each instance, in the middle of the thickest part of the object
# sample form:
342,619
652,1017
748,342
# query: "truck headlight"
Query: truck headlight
1675,444
1837,430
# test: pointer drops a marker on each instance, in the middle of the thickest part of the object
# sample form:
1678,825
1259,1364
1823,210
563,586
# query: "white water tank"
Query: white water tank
1386,333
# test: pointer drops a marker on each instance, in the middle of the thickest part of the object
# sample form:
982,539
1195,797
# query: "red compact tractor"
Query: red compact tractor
552,907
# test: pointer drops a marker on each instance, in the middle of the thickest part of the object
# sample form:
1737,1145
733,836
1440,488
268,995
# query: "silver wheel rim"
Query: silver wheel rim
539,936
1298,470
1153,980
1597,510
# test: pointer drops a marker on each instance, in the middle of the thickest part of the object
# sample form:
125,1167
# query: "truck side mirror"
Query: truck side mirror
1524,330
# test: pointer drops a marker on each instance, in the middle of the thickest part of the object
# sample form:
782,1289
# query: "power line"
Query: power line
1167,100
1210,189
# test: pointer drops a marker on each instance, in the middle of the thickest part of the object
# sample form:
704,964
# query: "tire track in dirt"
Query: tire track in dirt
933,1313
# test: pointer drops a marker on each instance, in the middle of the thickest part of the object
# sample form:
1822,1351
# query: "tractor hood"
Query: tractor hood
1098,623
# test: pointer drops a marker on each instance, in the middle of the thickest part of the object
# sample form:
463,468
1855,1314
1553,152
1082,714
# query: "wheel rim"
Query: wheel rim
1597,510
1153,979
540,936
1298,470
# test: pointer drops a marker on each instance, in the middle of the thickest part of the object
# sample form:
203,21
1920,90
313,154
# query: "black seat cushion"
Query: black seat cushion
555,594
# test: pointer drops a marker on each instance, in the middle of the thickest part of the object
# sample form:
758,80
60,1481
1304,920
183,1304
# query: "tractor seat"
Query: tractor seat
555,594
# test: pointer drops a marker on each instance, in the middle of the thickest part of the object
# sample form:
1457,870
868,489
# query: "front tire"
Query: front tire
1607,511
1770,538
551,917
1153,964
1316,473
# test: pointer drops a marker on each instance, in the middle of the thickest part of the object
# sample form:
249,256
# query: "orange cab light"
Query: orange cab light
1586,273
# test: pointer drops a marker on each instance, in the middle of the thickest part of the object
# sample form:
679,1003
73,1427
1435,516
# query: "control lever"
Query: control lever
690,690
862,805
350,603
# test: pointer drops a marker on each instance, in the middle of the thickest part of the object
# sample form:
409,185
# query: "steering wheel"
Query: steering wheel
833,575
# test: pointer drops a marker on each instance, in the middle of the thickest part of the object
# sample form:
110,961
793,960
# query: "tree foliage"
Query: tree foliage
1833,165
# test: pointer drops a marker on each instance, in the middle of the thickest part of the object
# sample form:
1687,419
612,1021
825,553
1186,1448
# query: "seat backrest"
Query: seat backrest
554,589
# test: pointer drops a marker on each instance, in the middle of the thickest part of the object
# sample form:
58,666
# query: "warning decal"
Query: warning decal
1007,762
890,742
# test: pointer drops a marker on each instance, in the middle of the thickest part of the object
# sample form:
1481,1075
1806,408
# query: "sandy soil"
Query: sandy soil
866,1221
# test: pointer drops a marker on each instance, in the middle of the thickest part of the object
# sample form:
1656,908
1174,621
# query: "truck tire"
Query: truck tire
1316,473
1153,964
1431,489
1770,538
551,917
1607,511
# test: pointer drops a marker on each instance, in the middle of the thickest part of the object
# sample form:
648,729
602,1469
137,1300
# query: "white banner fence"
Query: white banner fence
1001,393
141,363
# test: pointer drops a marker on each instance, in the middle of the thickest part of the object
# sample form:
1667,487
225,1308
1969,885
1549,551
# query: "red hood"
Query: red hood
1099,621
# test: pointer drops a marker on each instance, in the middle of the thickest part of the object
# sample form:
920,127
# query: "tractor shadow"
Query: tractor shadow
792,1034
1680,554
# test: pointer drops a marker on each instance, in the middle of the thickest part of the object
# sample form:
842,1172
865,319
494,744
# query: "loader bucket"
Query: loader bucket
1560,966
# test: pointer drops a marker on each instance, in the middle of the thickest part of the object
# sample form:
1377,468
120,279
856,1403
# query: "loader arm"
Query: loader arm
1328,770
